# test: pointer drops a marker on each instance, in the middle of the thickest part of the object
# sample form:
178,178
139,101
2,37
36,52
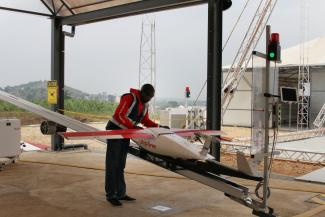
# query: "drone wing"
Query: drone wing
109,134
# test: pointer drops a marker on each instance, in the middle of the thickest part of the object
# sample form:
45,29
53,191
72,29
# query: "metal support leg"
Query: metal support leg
214,76
57,73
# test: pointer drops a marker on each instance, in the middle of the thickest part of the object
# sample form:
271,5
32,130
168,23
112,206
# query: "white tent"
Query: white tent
314,52
239,110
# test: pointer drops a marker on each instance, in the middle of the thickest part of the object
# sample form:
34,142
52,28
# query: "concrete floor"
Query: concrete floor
75,187
315,176
316,144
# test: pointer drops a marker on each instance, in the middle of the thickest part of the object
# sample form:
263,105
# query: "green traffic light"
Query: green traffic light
271,55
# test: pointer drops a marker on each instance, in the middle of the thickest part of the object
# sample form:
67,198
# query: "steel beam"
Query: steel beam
57,73
48,8
25,11
68,7
125,10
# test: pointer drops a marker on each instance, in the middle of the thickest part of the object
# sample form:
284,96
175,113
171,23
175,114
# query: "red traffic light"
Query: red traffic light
187,92
275,37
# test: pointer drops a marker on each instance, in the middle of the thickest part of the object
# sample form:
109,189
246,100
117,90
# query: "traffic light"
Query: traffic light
187,92
274,48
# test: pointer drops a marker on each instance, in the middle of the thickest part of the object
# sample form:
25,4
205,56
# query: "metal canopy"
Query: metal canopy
98,13
78,12
65,8
71,8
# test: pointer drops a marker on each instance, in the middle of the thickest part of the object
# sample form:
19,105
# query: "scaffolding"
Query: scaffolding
243,144
243,56
304,72
320,119
283,154
244,53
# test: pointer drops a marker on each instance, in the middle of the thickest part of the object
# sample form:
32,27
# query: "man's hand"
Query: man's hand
166,127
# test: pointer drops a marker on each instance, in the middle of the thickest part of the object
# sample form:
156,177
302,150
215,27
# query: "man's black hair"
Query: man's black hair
148,90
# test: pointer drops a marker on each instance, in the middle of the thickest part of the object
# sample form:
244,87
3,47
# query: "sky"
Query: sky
104,56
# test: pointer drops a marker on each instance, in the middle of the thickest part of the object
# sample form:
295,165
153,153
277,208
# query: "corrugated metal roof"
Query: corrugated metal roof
71,7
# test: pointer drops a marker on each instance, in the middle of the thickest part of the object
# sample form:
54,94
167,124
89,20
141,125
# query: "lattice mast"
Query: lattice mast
304,74
243,56
147,63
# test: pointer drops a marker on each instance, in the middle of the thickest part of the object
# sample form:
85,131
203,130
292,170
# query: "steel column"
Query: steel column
57,73
214,76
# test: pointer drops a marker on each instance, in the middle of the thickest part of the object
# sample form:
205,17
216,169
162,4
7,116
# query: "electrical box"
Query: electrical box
10,134
174,117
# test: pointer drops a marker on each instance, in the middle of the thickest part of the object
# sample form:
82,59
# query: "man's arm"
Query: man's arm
120,112
146,121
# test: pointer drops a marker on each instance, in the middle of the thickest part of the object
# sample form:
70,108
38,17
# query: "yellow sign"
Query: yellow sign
52,92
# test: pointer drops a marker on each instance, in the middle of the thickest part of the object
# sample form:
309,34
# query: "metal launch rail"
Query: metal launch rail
207,172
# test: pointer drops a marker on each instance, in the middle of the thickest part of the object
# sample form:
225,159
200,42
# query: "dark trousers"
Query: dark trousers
116,154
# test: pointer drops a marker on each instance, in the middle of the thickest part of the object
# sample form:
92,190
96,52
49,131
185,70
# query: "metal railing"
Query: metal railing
283,154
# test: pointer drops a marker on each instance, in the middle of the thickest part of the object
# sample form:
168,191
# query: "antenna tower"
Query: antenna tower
147,63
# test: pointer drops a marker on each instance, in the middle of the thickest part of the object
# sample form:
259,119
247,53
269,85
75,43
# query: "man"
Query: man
132,110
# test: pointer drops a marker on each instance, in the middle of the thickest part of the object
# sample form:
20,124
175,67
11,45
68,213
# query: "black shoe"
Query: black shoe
114,202
127,198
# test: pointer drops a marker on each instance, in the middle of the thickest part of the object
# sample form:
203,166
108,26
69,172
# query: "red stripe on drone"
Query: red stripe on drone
123,134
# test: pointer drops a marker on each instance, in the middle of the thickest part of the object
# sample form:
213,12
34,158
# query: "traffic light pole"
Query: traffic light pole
267,111
266,122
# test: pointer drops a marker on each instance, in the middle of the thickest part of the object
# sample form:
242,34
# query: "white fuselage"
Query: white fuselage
167,143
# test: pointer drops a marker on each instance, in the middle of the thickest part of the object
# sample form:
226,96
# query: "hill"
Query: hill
37,90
